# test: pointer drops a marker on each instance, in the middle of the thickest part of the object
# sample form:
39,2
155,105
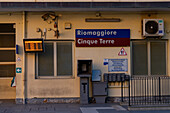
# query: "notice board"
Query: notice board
118,65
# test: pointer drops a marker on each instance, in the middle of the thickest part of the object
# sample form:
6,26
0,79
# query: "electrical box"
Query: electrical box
96,75
127,77
105,77
110,77
114,77
118,77
123,78
99,88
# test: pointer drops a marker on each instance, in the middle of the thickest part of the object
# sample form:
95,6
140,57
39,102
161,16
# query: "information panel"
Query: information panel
33,45
118,65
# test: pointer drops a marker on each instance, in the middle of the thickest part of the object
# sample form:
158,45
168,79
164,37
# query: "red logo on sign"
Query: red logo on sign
122,52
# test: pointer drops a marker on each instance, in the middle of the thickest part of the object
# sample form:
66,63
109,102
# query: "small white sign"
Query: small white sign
105,62
18,59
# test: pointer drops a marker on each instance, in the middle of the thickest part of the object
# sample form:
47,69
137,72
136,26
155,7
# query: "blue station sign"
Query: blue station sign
102,37
102,33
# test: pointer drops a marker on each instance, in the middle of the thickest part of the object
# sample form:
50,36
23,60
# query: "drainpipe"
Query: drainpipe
24,60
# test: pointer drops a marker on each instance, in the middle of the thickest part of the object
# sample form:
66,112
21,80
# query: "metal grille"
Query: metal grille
149,90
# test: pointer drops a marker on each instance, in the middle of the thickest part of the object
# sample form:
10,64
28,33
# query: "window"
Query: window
56,61
7,50
149,57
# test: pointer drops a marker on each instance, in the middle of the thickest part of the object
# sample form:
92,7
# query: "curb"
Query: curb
135,108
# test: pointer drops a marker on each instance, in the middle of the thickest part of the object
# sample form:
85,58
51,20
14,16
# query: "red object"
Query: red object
102,42
55,25
122,52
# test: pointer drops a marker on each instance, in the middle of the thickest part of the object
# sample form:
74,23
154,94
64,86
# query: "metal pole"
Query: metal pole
121,90
159,88
129,91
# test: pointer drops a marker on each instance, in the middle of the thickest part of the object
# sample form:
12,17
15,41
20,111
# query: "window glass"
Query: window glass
139,58
7,56
158,58
64,58
46,61
7,70
7,28
56,60
7,40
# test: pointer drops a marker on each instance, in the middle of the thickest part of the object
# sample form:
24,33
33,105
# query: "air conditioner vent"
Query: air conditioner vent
153,28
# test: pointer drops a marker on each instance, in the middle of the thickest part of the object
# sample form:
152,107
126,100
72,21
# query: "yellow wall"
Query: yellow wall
6,91
69,87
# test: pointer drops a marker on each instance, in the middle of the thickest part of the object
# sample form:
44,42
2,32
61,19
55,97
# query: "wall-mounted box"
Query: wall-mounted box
68,25
110,78
114,77
84,68
33,45
96,75
118,77
106,77
99,88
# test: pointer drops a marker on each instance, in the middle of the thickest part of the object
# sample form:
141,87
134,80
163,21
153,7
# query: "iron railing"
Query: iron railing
149,90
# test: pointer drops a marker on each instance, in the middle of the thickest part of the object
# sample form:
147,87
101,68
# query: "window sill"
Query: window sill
55,77
6,77
149,76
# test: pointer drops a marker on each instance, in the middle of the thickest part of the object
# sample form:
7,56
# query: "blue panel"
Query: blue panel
102,33
96,75
17,52
160,31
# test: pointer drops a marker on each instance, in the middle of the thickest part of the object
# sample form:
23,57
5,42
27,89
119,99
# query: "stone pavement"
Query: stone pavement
69,108
40,108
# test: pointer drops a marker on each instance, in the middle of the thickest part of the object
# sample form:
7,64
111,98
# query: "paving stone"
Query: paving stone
32,109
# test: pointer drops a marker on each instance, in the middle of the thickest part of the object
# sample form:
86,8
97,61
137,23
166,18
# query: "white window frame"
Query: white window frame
55,61
149,56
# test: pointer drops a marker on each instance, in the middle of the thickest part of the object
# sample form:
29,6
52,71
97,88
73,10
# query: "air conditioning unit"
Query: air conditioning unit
153,27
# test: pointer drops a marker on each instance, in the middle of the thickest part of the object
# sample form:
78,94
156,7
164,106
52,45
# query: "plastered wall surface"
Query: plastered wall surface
6,91
70,87
56,88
